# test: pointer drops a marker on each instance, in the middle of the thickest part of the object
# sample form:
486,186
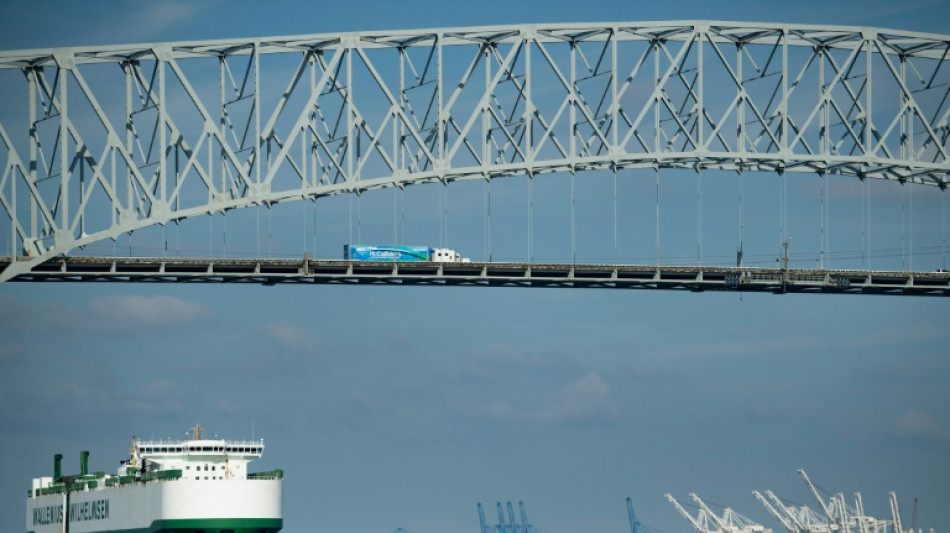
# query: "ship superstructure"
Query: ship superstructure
164,486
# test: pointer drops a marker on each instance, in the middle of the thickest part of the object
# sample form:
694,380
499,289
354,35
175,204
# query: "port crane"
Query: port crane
827,508
786,517
708,521
507,524
634,523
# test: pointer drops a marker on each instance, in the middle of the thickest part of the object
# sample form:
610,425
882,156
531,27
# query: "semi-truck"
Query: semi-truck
401,254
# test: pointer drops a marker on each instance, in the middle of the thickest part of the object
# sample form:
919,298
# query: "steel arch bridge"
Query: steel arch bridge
96,142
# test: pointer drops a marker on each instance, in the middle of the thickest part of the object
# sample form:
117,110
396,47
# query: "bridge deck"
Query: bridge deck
309,271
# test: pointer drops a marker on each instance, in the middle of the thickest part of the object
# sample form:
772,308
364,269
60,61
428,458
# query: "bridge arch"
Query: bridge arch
108,140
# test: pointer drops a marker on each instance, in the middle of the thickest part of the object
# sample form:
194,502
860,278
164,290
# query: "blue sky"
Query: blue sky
402,407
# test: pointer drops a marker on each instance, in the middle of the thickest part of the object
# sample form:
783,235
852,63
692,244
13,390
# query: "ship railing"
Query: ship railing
176,442
270,474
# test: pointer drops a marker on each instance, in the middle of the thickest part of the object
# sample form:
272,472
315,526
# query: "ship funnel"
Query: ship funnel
57,467
84,462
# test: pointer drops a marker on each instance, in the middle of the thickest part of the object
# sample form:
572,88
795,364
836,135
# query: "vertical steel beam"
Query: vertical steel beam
62,80
161,59
259,145
34,141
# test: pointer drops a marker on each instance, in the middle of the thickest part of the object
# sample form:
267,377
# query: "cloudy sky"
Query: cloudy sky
403,407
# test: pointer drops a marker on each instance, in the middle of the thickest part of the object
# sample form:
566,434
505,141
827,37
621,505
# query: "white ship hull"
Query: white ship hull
211,506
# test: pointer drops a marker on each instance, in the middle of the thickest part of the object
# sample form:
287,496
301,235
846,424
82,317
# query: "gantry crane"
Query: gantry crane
634,523
707,521
896,514
698,524
826,508
786,518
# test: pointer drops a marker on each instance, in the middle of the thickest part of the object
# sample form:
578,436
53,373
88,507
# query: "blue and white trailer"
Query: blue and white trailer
400,254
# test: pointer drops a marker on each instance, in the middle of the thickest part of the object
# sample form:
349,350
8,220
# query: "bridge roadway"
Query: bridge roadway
491,274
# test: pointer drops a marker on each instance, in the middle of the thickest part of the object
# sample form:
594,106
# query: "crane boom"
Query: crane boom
689,518
859,507
843,512
634,525
896,512
502,527
774,512
788,512
709,512
913,518
524,517
829,512
481,519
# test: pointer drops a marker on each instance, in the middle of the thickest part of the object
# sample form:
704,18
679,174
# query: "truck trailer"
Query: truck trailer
401,254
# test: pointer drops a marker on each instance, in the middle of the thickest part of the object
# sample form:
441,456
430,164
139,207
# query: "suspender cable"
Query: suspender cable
488,219
903,227
615,215
868,183
573,234
863,226
440,217
828,219
821,217
657,217
530,218
395,222
910,255
445,213
699,216
741,219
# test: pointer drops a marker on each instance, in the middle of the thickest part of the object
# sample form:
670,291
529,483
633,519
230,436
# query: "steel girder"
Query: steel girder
106,140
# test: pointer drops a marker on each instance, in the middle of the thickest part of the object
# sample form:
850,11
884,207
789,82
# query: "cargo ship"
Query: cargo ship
197,485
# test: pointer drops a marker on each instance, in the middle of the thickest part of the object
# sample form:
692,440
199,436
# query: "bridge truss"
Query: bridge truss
97,142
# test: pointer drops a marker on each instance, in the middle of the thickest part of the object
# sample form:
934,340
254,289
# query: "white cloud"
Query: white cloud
738,347
586,400
292,336
919,425
137,310
147,19
160,396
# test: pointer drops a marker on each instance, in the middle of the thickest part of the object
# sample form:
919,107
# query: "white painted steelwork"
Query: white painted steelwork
115,138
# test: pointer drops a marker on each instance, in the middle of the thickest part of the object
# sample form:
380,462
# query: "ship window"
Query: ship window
212,469
206,469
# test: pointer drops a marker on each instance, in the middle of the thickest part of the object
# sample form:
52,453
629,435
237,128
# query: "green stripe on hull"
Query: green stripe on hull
207,525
